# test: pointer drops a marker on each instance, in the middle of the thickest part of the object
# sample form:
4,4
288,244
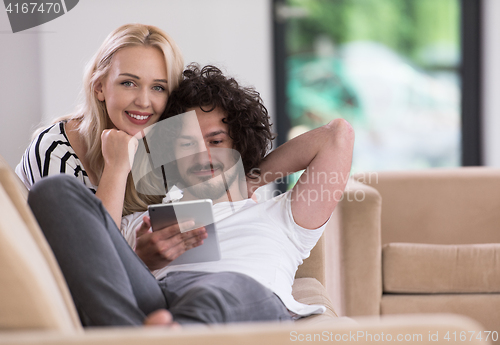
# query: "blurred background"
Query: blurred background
418,79
390,67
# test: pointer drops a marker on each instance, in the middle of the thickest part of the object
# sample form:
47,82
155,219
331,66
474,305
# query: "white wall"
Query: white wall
41,69
20,89
491,83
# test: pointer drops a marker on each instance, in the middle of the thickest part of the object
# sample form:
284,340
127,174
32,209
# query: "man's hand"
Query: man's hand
159,248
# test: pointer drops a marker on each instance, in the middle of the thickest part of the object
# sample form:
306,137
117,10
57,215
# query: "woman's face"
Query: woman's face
135,89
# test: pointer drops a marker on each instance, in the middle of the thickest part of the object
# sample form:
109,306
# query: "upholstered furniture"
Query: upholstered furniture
36,307
419,242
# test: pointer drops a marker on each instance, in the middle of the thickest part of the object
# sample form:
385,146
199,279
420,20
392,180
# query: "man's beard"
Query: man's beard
214,187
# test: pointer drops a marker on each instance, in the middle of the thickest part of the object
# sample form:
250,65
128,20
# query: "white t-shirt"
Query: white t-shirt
260,240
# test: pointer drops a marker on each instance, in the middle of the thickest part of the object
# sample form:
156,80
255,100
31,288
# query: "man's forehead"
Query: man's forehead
208,123
190,123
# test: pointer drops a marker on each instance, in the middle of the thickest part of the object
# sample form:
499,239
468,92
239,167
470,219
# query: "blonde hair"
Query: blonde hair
92,115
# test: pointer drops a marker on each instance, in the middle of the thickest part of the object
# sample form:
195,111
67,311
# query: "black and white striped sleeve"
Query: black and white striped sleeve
48,154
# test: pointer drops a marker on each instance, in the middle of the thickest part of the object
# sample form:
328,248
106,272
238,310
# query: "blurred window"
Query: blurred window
390,67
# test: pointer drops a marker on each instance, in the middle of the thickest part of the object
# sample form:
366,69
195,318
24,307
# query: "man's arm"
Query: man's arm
326,155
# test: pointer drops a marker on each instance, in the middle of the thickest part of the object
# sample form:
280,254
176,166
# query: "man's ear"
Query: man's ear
98,91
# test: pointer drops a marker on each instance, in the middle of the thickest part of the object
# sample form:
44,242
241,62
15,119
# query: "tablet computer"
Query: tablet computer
200,211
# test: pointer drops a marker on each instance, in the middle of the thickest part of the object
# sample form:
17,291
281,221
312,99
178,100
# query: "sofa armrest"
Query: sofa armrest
31,263
416,329
314,265
354,276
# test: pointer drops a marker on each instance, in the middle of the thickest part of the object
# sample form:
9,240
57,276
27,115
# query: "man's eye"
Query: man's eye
216,142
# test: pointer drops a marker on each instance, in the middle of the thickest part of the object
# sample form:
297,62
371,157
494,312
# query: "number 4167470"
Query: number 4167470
470,335
33,7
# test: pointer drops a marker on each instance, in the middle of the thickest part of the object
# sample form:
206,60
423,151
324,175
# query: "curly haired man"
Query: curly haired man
262,243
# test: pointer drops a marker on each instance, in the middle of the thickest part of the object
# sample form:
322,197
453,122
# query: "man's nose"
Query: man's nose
204,157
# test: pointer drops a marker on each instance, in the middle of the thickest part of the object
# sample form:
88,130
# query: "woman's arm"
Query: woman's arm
117,148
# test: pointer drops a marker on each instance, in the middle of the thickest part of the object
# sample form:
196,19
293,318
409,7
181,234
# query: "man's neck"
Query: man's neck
233,194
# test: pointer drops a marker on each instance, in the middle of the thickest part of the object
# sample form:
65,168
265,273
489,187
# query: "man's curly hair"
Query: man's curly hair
246,116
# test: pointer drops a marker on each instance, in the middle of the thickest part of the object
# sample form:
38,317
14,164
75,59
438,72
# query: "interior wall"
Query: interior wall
42,68
491,83
20,89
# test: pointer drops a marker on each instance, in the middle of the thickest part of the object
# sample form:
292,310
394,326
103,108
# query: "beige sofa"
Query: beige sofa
36,307
420,242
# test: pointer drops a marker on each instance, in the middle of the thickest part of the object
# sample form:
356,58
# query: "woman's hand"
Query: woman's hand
118,149
159,248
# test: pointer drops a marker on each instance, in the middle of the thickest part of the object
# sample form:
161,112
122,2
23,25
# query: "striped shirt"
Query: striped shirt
50,153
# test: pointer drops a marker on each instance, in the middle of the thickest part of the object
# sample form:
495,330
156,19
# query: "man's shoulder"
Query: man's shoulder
277,198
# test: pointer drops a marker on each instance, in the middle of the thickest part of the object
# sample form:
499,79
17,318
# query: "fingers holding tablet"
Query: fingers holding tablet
194,238
159,248
164,215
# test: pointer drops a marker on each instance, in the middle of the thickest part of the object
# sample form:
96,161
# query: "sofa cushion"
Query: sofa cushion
432,268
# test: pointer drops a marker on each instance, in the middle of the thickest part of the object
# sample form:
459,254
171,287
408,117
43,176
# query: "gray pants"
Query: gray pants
110,285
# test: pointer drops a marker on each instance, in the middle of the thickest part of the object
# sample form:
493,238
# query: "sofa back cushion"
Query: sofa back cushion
33,293
439,206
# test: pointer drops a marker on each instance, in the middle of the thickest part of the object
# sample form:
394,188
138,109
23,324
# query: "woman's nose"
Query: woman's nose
142,98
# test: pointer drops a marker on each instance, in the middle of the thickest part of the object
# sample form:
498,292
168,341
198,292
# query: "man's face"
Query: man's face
204,154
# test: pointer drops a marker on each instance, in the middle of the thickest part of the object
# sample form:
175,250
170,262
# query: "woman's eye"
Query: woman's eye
216,142
159,88
127,83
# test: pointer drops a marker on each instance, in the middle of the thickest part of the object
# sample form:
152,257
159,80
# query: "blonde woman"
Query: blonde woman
125,89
